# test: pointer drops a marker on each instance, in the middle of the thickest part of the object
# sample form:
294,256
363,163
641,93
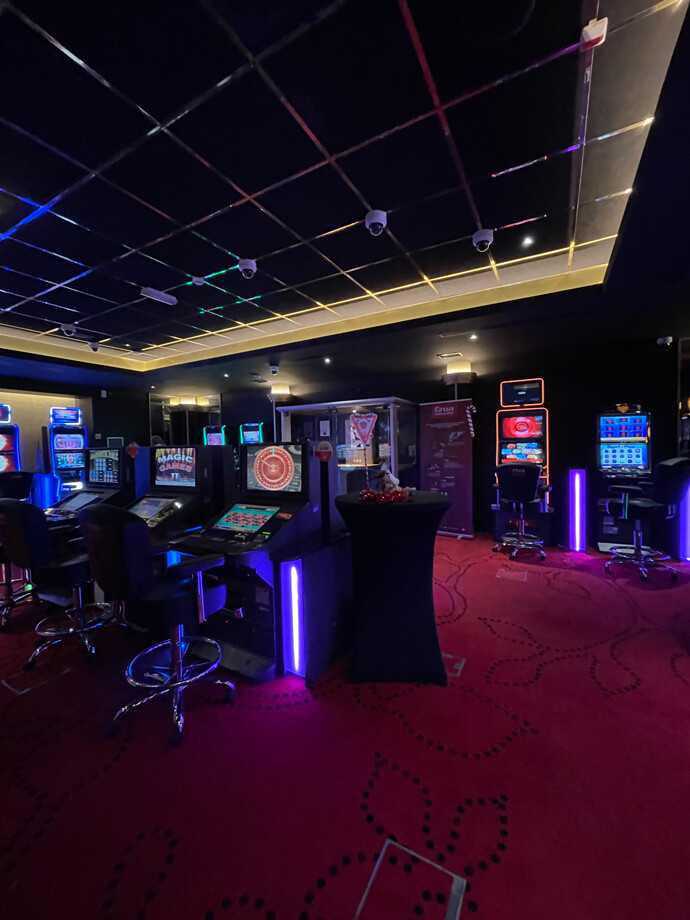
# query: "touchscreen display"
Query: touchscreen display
215,438
68,441
104,467
623,427
523,426
522,452
147,507
7,442
78,500
617,456
274,468
8,463
175,466
246,518
72,460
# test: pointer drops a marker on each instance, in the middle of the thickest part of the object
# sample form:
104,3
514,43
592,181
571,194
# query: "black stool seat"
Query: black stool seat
670,482
519,485
122,562
13,484
58,573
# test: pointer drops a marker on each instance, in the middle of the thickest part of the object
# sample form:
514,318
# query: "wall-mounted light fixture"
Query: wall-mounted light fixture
280,389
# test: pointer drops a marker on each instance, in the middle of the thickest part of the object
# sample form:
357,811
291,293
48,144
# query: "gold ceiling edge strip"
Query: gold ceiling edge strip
521,290
46,348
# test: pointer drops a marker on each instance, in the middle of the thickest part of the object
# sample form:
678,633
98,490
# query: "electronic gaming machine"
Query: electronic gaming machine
186,487
64,444
272,568
215,435
252,433
9,442
112,477
522,436
623,456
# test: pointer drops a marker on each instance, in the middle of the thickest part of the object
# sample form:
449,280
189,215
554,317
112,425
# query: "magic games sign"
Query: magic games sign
175,466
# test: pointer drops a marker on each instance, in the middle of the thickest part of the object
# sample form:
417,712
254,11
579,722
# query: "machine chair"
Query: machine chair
519,485
14,484
669,484
58,570
122,562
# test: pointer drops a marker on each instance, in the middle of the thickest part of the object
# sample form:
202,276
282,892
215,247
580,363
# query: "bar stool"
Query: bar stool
122,562
519,485
14,484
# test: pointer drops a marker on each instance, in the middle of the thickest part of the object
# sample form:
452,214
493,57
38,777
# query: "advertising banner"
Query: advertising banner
446,433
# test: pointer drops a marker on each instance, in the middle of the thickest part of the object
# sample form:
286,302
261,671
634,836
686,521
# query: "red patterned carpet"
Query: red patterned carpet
552,773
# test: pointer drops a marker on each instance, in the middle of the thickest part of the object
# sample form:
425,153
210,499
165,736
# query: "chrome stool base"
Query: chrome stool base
642,557
82,622
172,667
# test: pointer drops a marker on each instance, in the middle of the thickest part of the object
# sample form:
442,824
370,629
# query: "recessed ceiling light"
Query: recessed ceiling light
450,354
326,360
127,345
153,387
474,337
226,375
528,241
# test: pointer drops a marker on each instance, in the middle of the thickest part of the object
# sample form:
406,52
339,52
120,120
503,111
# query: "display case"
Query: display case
394,439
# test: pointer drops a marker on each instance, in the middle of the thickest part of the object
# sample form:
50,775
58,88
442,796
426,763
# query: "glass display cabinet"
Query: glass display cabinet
394,439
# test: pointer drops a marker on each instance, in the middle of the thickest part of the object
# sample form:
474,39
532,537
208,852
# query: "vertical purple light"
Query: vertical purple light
577,511
684,528
293,618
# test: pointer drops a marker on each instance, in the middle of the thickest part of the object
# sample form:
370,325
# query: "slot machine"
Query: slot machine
624,458
252,433
113,477
64,443
215,435
522,436
9,442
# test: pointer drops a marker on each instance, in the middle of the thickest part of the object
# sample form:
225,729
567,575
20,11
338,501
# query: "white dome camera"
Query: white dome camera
94,346
273,368
482,240
247,268
197,281
376,222
68,329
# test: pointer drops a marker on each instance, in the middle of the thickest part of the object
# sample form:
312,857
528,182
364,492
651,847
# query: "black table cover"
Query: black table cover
392,559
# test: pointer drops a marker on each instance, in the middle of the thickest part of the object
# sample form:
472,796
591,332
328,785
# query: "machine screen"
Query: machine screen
246,518
252,434
69,461
175,466
274,468
68,442
104,467
147,506
8,463
623,427
522,452
78,500
618,456
215,438
522,392
7,443
523,426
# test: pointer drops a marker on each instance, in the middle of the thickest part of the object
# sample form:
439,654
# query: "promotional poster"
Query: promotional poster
446,433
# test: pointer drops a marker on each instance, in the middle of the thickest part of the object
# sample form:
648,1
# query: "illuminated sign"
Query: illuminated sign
65,415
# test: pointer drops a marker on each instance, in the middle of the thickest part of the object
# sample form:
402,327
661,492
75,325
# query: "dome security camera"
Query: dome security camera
94,346
665,340
376,222
482,240
68,329
273,368
247,268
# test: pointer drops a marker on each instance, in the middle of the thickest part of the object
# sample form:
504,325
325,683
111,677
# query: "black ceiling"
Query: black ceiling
144,143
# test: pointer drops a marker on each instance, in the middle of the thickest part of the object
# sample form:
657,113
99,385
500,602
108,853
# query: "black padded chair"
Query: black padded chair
670,482
519,484
59,572
13,484
122,562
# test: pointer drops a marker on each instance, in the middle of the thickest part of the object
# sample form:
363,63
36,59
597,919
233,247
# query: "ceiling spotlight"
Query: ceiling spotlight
326,360
474,337
528,241
226,375
127,345
161,296
153,386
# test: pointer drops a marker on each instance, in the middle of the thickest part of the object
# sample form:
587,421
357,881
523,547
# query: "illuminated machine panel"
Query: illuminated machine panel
8,463
523,426
246,518
78,500
104,467
69,461
8,442
175,466
68,442
147,507
623,455
274,468
522,452
215,438
623,427
522,393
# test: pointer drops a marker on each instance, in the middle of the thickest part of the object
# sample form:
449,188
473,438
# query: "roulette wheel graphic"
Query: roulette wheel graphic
274,468
522,426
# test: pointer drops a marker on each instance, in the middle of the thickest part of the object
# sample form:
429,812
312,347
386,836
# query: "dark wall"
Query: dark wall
237,408
121,413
